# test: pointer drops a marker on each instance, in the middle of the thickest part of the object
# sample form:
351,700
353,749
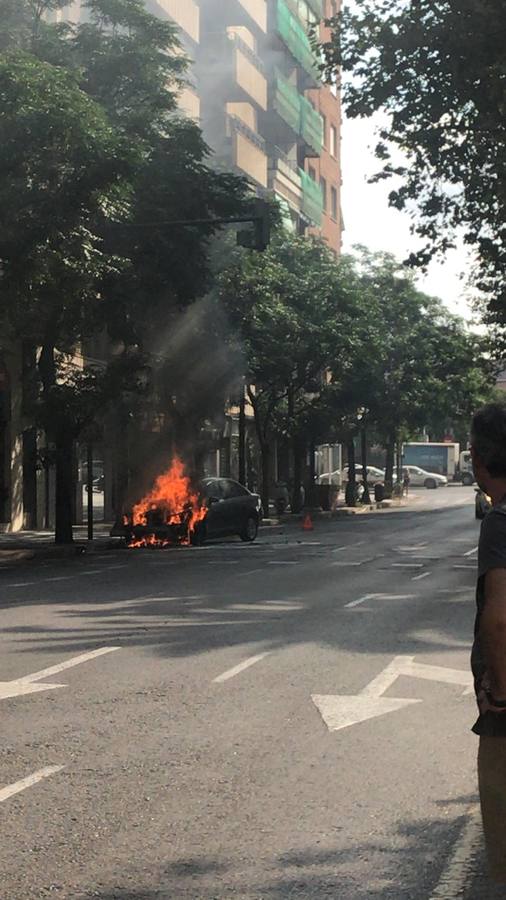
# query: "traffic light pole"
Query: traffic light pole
259,239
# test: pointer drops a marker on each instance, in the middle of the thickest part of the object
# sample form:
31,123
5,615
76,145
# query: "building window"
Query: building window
312,172
333,204
323,185
333,141
324,129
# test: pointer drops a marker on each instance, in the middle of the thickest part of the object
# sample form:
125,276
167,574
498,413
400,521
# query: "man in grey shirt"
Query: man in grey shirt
488,448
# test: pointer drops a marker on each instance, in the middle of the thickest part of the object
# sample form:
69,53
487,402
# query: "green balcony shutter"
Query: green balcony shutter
287,102
311,126
293,34
312,198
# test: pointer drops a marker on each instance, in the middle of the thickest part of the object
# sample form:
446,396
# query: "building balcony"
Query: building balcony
293,34
298,113
248,150
188,102
312,199
284,179
248,70
185,13
311,126
286,101
257,10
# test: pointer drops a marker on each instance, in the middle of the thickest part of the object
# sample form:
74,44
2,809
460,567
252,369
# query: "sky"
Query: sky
369,220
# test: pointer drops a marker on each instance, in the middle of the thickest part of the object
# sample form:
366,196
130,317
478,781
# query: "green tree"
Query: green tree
61,165
422,364
438,72
88,243
291,309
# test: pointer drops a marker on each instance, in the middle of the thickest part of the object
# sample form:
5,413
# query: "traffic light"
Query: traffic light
258,237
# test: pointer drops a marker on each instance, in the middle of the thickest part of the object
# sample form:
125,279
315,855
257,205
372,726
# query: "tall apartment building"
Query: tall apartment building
264,110
258,95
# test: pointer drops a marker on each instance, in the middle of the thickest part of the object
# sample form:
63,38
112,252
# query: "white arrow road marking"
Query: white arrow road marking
437,673
25,684
27,782
378,597
341,711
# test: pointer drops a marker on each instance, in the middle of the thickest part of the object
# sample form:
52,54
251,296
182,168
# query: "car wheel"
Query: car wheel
430,483
467,479
250,530
198,535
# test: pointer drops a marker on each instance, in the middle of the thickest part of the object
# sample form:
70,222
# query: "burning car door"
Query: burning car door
216,519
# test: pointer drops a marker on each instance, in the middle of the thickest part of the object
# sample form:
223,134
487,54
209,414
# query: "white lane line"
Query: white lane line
414,548
464,567
407,565
361,562
379,597
457,590
111,568
68,664
251,572
419,577
91,572
18,584
339,549
27,782
230,673
471,552
458,872
59,578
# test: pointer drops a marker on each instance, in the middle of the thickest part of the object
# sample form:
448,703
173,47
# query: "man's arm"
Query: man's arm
493,631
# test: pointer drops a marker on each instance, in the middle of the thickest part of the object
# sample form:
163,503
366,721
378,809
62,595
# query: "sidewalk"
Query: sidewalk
23,545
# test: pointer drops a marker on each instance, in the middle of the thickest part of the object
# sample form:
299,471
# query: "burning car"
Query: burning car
174,512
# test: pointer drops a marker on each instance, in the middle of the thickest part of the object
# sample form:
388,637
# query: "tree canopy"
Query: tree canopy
438,70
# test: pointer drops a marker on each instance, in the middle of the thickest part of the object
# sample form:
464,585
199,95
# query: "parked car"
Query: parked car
374,475
420,478
232,509
482,504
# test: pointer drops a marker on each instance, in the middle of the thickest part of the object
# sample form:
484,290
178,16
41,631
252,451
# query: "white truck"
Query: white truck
444,458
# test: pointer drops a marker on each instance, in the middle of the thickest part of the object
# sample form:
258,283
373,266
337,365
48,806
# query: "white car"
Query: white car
420,478
373,474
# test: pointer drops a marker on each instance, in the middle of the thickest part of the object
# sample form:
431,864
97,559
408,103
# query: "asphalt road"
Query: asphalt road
191,751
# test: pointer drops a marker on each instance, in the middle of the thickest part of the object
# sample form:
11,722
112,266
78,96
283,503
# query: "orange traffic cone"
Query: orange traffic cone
308,523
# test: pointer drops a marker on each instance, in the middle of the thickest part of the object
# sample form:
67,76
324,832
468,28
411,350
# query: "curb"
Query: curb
55,551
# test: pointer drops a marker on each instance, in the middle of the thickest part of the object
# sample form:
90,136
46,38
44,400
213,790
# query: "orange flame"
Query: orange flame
174,502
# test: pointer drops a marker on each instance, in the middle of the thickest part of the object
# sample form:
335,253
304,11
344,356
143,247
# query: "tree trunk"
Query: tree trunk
242,437
64,489
366,497
351,487
265,451
389,468
296,501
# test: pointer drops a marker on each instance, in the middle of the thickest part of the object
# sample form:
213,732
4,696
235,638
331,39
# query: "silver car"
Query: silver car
420,478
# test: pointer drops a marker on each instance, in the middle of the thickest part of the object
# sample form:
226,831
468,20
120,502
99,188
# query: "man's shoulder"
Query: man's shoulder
492,549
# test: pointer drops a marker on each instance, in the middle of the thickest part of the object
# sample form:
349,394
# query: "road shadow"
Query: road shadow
188,604
415,856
